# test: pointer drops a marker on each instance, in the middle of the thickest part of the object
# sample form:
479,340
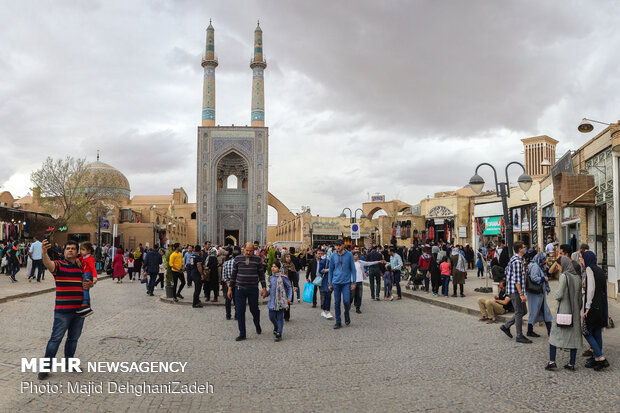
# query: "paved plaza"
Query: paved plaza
396,356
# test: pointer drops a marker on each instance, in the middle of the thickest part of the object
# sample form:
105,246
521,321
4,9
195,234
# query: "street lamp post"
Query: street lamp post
353,216
502,189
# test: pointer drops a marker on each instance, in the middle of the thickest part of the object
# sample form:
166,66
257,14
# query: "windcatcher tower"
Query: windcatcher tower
209,63
539,149
258,65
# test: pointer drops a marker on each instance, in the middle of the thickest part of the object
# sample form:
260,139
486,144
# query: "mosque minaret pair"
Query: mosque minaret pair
258,65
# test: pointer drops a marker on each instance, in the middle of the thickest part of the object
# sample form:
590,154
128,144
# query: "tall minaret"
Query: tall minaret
209,63
258,65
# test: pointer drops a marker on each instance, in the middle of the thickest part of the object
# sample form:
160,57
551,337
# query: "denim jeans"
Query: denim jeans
553,350
387,287
445,284
426,279
152,282
342,292
595,340
243,294
197,281
227,301
277,319
85,292
64,322
326,300
397,282
374,279
38,265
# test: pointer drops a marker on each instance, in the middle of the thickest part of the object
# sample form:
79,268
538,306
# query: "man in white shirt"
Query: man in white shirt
549,249
36,255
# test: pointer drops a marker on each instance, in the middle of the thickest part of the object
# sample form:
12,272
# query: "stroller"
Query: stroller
414,277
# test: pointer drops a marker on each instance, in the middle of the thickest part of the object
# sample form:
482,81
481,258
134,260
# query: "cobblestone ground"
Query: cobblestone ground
397,356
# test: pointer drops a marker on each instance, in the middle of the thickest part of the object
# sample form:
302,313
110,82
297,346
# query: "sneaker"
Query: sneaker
323,314
180,296
600,364
506,331
329,316
391,298
358,311
569,367
86,314
523,340
378,299
337,326
298,300
278,337
176,300
82,310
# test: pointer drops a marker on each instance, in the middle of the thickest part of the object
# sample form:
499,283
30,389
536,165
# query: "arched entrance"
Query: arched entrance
232,198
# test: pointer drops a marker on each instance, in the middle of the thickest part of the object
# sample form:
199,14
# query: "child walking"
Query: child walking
131,262
446,270
388,279
280,296
89,272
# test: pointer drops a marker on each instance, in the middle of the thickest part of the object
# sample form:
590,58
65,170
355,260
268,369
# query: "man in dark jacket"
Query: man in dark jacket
313,265
504,256
151,264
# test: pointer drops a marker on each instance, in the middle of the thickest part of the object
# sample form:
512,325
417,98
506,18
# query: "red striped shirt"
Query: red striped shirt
69,289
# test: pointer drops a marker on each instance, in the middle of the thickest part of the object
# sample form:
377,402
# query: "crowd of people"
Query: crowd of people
336,273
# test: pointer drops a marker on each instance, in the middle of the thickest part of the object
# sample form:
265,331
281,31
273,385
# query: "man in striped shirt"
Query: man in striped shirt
515,284
248,271
69,291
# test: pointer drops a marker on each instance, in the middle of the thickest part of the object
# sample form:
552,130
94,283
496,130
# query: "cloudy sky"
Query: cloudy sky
401,98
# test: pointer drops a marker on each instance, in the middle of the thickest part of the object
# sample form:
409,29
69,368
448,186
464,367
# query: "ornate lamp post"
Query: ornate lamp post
502,189
353,216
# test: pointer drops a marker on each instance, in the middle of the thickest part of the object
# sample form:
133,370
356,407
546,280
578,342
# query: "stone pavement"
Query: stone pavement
399,356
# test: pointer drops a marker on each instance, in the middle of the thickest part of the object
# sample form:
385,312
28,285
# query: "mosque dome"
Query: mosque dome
107,180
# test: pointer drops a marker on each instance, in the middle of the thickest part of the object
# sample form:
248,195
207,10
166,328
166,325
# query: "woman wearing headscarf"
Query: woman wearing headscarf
569,302
291,272
537,288
212,283
459,269
595,309
118,266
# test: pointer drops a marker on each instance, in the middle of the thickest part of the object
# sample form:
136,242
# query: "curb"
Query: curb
39,292
449,306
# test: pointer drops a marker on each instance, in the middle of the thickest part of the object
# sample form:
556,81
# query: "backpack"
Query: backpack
137,254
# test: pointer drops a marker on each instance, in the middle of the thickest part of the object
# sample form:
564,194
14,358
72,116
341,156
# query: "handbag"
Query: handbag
308,292
532,287
566,320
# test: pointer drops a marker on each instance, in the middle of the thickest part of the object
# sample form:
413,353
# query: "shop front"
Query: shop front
440,225
525,224
489,226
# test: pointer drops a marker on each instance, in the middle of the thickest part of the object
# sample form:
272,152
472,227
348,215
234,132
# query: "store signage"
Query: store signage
548,221
564,164
416,210
462,232
355,231
105,224
62,229
49,229
378,198
493,226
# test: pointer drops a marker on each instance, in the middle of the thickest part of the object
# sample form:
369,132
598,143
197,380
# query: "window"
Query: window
232,182
193,216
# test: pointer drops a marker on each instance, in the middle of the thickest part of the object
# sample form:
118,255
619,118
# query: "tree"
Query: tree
69,189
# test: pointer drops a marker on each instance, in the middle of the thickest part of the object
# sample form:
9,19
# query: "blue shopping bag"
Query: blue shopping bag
308,292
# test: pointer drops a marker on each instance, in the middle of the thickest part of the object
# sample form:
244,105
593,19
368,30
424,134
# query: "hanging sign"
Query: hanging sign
355,231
